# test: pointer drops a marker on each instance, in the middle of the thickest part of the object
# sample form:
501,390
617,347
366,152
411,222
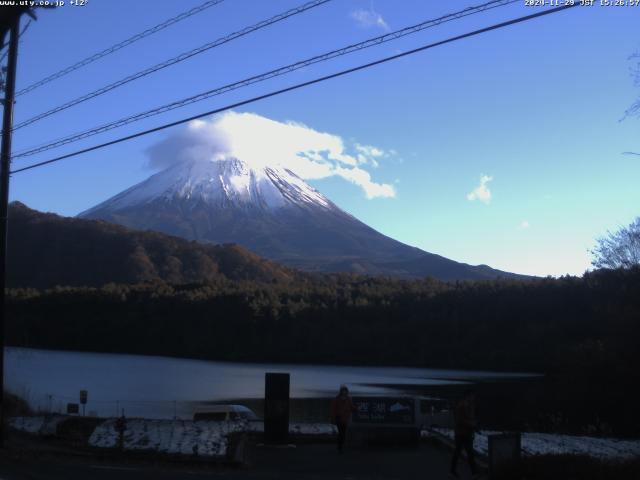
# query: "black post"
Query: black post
5,165
276,408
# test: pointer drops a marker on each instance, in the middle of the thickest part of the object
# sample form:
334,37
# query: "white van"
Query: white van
222,413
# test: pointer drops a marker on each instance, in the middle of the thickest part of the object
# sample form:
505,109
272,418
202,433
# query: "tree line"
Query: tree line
581,332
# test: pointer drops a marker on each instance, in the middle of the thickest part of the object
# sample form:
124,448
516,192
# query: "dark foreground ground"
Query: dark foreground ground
305,462
24,459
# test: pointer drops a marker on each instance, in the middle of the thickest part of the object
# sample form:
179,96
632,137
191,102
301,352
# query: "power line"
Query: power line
118,46
299,86
174,60
264,76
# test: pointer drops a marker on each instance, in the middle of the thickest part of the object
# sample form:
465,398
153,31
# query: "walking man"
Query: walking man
465,426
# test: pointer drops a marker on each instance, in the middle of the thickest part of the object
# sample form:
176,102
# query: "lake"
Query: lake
163,387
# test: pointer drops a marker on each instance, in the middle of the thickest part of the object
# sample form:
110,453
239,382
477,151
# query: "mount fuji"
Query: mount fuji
274,213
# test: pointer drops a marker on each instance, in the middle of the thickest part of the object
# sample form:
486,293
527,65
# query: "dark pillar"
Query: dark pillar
276,408
5,165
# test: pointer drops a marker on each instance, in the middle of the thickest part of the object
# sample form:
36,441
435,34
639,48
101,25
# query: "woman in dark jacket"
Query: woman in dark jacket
341,410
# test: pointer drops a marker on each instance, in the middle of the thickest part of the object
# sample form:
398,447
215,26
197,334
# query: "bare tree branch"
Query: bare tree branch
620,249
634,109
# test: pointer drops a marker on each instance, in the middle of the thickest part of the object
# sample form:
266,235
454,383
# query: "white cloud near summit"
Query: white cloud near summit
481,192
260,142
369,153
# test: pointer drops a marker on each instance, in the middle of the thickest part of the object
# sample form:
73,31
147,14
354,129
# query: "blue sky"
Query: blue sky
535,108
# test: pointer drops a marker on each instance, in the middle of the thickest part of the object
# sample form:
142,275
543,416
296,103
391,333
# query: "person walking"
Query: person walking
341,409
465,426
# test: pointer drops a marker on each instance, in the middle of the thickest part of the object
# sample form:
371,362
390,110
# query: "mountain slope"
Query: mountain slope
48,250
274,213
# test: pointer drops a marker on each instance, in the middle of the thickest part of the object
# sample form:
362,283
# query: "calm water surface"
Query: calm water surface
164,387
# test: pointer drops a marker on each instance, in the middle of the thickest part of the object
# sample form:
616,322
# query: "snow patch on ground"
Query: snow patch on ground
27,424
553,444
186,437
179,437
183,437
43,425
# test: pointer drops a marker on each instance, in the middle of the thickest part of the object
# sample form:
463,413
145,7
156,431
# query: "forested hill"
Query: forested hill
348,319
584,331
46,250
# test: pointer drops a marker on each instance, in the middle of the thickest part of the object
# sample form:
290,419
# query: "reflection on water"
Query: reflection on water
165,387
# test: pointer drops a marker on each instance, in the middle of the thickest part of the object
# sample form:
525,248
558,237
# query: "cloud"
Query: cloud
524,225
369,153
261,142
481,192
362,178
369,19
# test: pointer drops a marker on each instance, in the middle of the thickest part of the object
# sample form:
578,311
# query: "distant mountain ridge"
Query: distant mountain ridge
274,213
48,250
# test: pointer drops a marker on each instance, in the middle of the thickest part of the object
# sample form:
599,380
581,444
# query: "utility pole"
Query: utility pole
11,23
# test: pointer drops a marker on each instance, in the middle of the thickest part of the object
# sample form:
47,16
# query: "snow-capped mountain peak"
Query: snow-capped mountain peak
221,183
274,213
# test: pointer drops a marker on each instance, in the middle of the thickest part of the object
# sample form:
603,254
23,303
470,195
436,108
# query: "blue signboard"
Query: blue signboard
384,410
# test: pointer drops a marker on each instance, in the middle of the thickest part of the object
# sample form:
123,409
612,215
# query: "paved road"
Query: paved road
306,462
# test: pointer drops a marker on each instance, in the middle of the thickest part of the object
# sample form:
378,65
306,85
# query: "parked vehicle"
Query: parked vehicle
222,413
